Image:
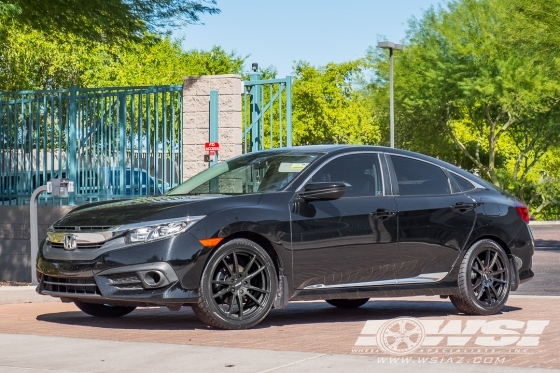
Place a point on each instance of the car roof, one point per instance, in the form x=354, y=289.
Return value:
x=341, y=148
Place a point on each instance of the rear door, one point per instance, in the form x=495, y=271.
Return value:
x=434, y=221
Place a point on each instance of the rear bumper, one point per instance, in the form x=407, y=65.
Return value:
x=526, y=276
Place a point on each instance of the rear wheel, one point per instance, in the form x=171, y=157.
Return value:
x=347, y=303
x=484, y=279
x=238, y=286
x=103, y=310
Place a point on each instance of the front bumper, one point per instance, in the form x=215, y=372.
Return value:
x=139, y=285
x=161, y=273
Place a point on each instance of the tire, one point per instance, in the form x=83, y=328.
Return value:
x=238, y=286
x=103, y=310
x=347, y=303
x=484, y=279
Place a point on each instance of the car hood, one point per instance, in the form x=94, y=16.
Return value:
x=115, y=213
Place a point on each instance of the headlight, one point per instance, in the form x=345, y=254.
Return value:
x=149, y=231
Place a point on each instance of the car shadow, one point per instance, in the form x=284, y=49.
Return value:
x=297, y=313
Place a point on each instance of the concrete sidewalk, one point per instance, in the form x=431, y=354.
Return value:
x=24, y=353
x=23, y=294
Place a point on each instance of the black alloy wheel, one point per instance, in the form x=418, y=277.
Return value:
x=484, y=279
x=238, y=286
x=347, y=303
x=103, y=310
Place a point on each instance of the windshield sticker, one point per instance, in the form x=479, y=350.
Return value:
x=291, y=167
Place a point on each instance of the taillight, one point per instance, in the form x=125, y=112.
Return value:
x=523, y=211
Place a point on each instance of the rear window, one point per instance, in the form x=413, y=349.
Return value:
x=417, y=178
x=463, y=183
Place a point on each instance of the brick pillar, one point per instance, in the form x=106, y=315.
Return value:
x=196, y=119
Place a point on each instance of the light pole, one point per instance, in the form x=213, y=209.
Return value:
x=391, y=46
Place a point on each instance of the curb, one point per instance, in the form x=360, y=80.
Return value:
x=541, y=223
x=22, y=294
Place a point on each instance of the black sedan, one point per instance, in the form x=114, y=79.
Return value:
x=339, y=223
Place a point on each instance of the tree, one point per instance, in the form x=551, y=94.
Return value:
x=103, y=20
x=30, y=59
x=534, y=27
x=459, y=81
x=327, y=107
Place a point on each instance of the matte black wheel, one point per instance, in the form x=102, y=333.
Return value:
x=238, y=286
x=484, y=279
x=347, y=303
x=103, y=310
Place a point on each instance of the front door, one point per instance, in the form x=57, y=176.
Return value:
x=351, y=240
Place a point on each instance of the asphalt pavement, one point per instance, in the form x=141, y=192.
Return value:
x=546, y=262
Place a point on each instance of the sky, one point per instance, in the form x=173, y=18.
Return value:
x=279, y=32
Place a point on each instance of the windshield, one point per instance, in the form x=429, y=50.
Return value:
x=252, y=173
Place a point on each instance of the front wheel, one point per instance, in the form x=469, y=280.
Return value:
x=484, y=279
x=103, y=310
x=238, y=286
x=347, y=303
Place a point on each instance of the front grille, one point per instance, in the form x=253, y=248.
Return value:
x=80, y=229
x=70, y=286
x=81, y=246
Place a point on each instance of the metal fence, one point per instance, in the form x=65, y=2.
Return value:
x=112, y=142
x=267, y=113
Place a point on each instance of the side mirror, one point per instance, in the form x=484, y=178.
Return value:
x=323, y=191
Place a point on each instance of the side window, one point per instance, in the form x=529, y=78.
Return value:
x=463, y=183
x=360, y=172
x=417, y=178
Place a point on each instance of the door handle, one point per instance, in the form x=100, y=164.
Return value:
x=383, y=214
x=463, y=207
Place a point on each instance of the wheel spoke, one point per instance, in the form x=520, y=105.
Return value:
x=402, y=326
x=232, y=300
x=408, y=342
x=477, y=284
x=255, y=273
x=499, y=280
x=477, y=270
x=240, y=301
x=488, y=295
x=221, y=292
x=258, y=289
x=249, y=265
x=390, y=333
x=479, y=295
x=227, y=267
x=498, y=272
x=494, y=291
x=235, y=263
x=493, y=261
x=487, y=259
x=254, y=299
x=480, y=263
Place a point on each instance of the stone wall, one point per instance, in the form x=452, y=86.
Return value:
x=15, y=244
x=196, y=119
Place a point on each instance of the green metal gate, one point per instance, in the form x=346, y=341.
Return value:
x=112, y=142
x=267, y=113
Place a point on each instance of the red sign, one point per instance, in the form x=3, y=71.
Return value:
x=211, y=146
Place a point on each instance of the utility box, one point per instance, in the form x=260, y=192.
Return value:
x=60, y=187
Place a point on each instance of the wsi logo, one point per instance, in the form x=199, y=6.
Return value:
x=405, y=335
